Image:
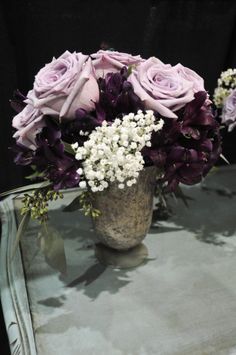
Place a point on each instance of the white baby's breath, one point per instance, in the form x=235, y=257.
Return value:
x=113, y=151
x=226, y=84
x=82, y=184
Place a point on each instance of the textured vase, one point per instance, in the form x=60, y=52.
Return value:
x=126, y=214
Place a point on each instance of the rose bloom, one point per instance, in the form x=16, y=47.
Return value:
x=65, y=85
x=28, y=123
x=229, y=111
x=112, y=61
x=190, y=75
x=164, y=88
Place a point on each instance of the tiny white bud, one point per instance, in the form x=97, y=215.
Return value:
x=82, y=184
x=121, y=186
x=80, y=171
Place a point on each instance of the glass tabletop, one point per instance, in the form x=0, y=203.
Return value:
x=182, y=300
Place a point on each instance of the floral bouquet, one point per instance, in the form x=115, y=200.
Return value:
x=91, y=121
x=225, y=98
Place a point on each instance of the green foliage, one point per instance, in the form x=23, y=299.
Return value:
x=130, y=68
x=68, y=148
x=37, y=203
x=86, y=202
x=83, y=201
x=35, y=175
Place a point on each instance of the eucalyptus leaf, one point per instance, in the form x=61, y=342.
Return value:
x=52, y=245
x=21, y=230
x=26, y=188
x=74, y=205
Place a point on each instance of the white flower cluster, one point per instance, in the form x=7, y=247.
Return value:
x=220, y=95
x=228, y=78
x=226, y=84
x=113, y=152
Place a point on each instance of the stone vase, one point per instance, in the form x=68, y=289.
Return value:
x=126, y=214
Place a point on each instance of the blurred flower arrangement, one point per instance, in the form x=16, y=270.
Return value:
x=93, y=120
x=225, y=98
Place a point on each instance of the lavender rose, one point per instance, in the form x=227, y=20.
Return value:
x=64, y=85
x=163, y=88
x=112, y=61
x=29, y=122
x=229, y=111
x=192, y=76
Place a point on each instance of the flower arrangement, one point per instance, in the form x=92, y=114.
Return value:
x=93, y=120
x=225, y=98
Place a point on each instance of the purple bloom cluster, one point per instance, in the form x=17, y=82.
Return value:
x=50, y=157
x=116, y=98
x=187, y=148
x=89, y=90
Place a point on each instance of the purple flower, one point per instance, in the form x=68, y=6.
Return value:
x=117, y=96
x=163, y=88
x=74, y=94
x=23, y=155
x=17, y=103
x=229, y=111
x=29, y=122
x=64, y=85
x=50, y=157
x=111, y=62
x=190, y=75
x=186, y=149
x=197, y=113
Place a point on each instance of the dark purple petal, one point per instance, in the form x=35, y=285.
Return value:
x=113, y=84
x=80, y=113
x=190, y=132
x=124, y=73
x=194, y=106
x=191, y=174
x=155, y=157
x=117, y=96
x=17, y=103
x=23, y=155
x=100, y=112
x=181, y=154
x=206, y=145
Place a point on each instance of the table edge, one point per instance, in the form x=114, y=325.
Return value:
x=14, y=297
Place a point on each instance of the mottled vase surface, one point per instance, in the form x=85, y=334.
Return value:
x=126, y=214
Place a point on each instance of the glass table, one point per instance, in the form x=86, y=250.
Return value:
x=181, y=301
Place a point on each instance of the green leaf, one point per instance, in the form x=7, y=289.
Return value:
x=26, y=188
x=68, y=148
x=21, y=230
x=130, y=68
x=35, y=175
x=52, y=245
x=33, y=167
x=74, y=205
